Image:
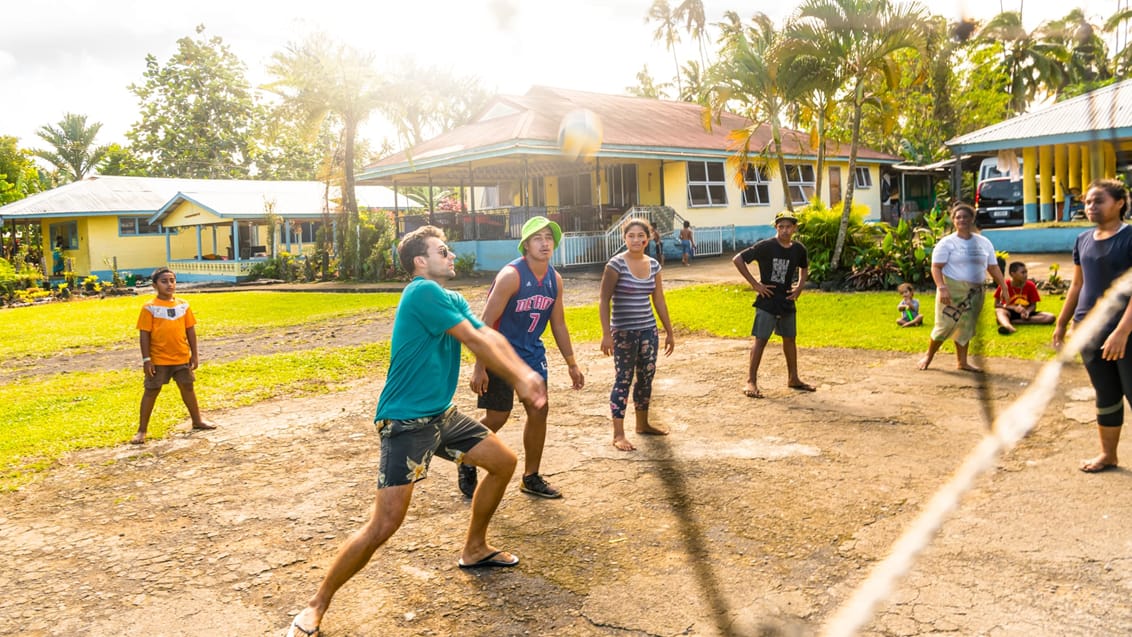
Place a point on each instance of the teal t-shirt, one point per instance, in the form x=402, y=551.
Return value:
x=424, y=362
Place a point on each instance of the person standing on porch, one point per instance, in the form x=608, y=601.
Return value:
x=526, y=295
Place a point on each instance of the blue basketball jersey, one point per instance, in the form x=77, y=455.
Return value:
x=524, y=319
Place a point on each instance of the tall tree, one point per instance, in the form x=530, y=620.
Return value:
x=119, y=160
x=750, y=79
x=647, y=86
x=288, y=150
x=668, y=31
x=863, y=35
x=18, y=175
x=422, y=102
x=322, y=78
x=1086, y=63
x=695, y=25
x=72, y=151
x=1117, y=26
x=1032, y=62
x=198, y=112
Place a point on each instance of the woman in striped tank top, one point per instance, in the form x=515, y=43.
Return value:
x=628, y=333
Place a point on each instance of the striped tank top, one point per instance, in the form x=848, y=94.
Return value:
x=632, y=305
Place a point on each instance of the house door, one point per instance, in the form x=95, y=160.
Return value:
x=834, y=185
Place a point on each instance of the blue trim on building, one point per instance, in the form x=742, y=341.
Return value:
x=1084, y=137
x=1030, y=212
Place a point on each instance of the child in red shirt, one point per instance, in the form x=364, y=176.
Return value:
x=1019, y=302
x=168, y=338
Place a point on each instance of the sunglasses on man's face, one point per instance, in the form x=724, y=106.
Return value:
x=442, y=251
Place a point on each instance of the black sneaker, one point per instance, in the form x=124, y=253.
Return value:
x=535, y=485
x=467, y=479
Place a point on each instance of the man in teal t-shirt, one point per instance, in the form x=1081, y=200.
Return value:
x=416, y=418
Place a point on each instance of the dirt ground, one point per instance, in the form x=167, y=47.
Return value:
x=754, y=517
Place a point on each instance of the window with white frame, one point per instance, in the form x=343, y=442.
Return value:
x=800, y=179
x=864, y=177
x=756, y=182
x=137, y=226
x=707, y=184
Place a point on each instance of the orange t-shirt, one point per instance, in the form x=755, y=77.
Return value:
x=168, y=323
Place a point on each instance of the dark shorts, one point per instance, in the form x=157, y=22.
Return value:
x=183, y=374
x=766, y=323
x=500, y=395
x=407, y=446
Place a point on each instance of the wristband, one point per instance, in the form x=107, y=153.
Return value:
x=146, y=359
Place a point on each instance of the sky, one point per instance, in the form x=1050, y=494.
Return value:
x=79, y=56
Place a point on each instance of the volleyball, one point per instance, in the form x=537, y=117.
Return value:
x=579, y=135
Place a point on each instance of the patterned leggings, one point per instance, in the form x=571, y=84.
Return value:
x=633, y=351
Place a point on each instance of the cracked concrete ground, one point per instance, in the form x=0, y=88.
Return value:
x=753, y=517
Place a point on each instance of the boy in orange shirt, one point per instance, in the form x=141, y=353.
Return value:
x=168, y=337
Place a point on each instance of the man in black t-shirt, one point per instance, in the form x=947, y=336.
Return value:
x=780, y=260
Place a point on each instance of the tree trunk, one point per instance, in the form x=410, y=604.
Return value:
x=851, y=179
x=821, y=153
x=349, y=197
x=776, y=138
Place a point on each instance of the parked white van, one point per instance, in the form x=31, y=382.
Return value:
x=988, y=169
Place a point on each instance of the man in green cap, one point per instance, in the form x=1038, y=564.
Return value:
x=525, y=296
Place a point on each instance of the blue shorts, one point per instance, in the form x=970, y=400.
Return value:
x=407, y=446
x=785, y=325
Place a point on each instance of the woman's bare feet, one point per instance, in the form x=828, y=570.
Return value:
x=622, y=443
x=924, y=362
x=138, y=439
x=203, y=426
x=649, y=430
x=967, y=367
x=1098, y=464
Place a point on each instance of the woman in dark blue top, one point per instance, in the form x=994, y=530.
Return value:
x=1100, y=256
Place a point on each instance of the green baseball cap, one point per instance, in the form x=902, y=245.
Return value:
x=533, y=225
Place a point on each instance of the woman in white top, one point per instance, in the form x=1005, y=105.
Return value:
x=960, y=263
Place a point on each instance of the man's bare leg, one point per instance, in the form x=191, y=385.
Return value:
x=388, y=513
x=534, y=439
x=499, y=463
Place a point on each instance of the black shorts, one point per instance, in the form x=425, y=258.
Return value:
x=500, y=395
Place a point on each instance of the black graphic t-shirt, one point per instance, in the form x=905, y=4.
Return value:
x=778, y=267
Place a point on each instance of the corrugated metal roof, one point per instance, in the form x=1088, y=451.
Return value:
x=631, y=127
x=1101, y=115
x=103, y=195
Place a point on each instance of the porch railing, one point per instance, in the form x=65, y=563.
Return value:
x=225, y=268
x=591, y=235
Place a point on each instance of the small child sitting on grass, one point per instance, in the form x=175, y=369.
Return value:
x=908, y=307
x=168, y=337
x=1019, y=302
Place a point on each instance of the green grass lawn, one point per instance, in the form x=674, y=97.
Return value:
x=857, y=320
x=43, y=417
x=42, y=330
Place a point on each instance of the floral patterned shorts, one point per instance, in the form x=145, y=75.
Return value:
x=407, y=446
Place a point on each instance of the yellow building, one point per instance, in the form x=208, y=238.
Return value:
x=204, y=229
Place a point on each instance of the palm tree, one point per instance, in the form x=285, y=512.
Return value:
x=695, y=24
x=750, y=78
x=74, y=154
x=1085, y=53
x=862, y=36
x=667, y=31
x=1117, y=25
x=322, y=79
x=1031, y=61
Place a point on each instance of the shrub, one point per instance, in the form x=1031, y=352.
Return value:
x=465, y=264
x=818, y=226
x=902, y=255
